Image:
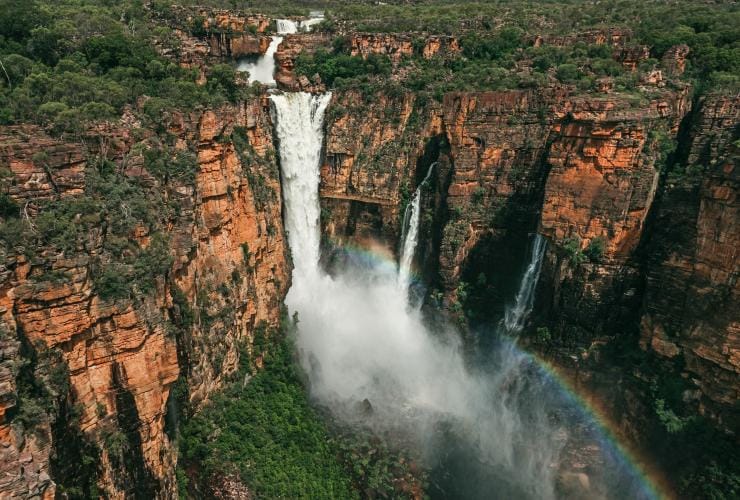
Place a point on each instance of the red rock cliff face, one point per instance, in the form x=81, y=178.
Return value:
x=237, y=210
x=397, y=46
x=371, y=157
x=287, y=52
x=692, y=295
x=496, y=140
x=121, y=356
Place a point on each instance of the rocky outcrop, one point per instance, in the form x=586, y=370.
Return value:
x=123, y=356
x=38, y=167
x=497, y=140
x=239, y=240
x=397, y=46
x=234, y=22
x=614, y=37
x=674, y=60
x=372, y=149
x=631, y=56
x=202, y=38
x=288, y=51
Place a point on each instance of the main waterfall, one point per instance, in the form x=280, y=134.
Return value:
x=490, y=431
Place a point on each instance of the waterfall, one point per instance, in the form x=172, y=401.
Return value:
x=516, y=315
x=372, y=362
x=263, y=69
x=410, y=234
x=299, y=120
x=286, y=26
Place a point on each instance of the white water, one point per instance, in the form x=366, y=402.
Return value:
x=410, y=234
x=358, y=340
x=516, y=315
x=263, y=69
x=288, y=26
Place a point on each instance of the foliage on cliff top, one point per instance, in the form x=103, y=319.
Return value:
x=71, y=62
x=709, y=29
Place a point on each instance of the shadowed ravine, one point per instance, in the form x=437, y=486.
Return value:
x=500, y=429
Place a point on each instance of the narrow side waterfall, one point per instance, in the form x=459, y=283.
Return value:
x=495, y=430
x=263, y=68
x=410, y=234
x=516, y=315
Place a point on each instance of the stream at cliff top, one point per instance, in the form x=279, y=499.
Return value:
x=262, y=68
x=500, y=429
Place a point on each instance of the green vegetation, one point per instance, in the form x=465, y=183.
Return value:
x=68, y=64
x=262, y=428
x=337, y=66
x=266, y=432
x=497, y=41
x=572, y=248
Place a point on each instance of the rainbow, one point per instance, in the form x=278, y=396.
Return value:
x=653, y=485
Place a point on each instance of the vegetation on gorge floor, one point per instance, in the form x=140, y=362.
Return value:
x=262, y=429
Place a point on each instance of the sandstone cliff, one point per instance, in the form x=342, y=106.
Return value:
x=115, y=360
x=692, y=296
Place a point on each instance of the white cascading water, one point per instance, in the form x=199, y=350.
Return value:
x=288, y=26
x=359, y=341
x=263, y=68
x=516, y=315
x=299, y=119
x=410, y=234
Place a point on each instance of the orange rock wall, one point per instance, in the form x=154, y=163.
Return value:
x=692, y=295
x=114, y=347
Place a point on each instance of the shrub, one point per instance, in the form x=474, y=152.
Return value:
x=595, y=249
x=568, y=73
x=8, y=207
x=572, y=248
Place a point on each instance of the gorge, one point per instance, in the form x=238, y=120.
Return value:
x=416, y=253
x=359, y=342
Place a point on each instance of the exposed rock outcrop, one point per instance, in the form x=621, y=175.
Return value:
x=397, y=46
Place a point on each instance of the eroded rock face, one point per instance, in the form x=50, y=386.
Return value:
x=121, y=356
x=238, y=238
x=692, y=295
x=41, y=167
x=222, y=36
x=371, y=158
x=397, y=46
x=614, y=37
x=288, y=51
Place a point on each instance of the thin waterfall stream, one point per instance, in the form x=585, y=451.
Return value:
x=410, y=234
x=516, y=315
x=499, y=430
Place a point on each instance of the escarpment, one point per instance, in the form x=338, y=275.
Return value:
x=143, y=257
x=107, y=353
x=689, y=314
x=586, y=173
